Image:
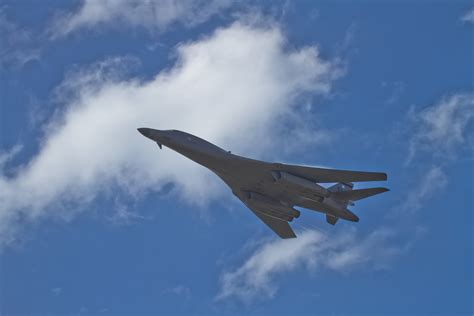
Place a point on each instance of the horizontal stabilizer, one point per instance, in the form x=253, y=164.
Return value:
x=331, y=219
x=354, y=195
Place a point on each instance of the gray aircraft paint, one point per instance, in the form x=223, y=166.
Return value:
x=271, y=190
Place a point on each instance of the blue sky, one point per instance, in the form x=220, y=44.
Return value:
x=94, y=219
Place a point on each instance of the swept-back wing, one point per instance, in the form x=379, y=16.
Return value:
x=280, y=227
x=330, y=175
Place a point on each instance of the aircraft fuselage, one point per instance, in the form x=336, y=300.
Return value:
x=252, y=176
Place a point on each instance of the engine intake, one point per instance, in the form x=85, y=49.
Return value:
x=271, y=207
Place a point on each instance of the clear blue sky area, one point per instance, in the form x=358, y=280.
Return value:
x=396, y=60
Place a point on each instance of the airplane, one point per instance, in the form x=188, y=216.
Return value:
x=272, y=190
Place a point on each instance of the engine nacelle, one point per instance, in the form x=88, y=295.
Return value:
x=303, y=186
x=271, y=207
x=275, y=214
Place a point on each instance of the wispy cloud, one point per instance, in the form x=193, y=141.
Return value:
x=154, y=15
x=237, y=87
x=57, y=291
x=7, y=156
x=18, y=45
x=431, y=182
x=312, y=250
x=179, y=290
x=468, y=17
x=395, y=91
x=441, y=129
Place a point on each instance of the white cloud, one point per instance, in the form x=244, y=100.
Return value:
x=238, y=87
x=312, y=250
x=7, y=156
x=468, y=17
x=442, y=128
x=154, y=15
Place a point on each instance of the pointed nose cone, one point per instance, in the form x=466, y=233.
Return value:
x=147, y=132
x=156, y=135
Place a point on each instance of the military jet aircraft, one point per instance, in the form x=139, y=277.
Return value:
x=272, y=190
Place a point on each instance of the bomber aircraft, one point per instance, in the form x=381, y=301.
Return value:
x=272, y=190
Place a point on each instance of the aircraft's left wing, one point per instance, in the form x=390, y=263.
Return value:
x=280, y=227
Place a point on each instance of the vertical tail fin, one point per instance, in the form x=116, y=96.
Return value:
x=340, y=187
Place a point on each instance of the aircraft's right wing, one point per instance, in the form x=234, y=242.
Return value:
x=280, y=227
x=330, y=175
